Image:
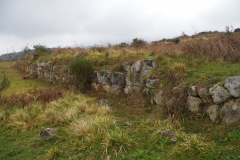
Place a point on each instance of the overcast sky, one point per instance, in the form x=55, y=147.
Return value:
x=65, y=23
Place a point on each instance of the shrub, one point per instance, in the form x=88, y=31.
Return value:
x=4, y=83
x=175, y=40
x=138, y=43
x=82, y=70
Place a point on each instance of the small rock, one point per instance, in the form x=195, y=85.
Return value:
x=213, y=112
x=192, y=91
x=47, y=133
x=103, y=101
x=169, y=134
x=205, y=95
x=193, y=103
x=152, y=83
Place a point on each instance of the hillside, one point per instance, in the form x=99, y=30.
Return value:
x=51, y=89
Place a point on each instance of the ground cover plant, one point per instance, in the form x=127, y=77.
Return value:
x=128, y=127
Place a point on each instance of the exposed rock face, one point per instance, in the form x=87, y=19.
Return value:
x=205, y=95
x=193, y=104
x=192, y=91
x=233, y=85
x=219, y=94
x=169, y=134
x=47, y=133
x=230, y=112
x=213, y=112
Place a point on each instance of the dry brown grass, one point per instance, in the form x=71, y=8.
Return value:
x=223, y=46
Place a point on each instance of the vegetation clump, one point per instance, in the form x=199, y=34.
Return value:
x=4, y=81
x=82, y=70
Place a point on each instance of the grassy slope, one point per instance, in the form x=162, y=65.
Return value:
x=139, y=124
x=128, y=128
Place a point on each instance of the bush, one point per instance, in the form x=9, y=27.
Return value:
x=138, y=43
x=4, y=83
x=82, y=70
x=176, y=40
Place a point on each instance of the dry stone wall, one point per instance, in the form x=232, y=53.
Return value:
x=45, y=71
x=221, y=103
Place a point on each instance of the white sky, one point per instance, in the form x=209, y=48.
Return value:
x=88, y=22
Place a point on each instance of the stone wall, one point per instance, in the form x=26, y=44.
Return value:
x=221, y=103
x=45, y=71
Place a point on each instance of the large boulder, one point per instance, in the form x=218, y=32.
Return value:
x=233, y=85
x=213, y=112
x=193, y=104
x=219, y=94
x=205, y=95
x=230, y=112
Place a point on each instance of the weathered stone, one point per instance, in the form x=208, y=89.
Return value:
x=230, y=112
x=47, y=133
x=118, y=78
x=136, y=67
x=169, y=134
x=148, y=65
x=106, y=88
x=170, y=102
x=96, y=77
x=105, y=77
x=126, y=66
x=128, y=81
x=136, y=79
x=192, y=91
x=128, y=90
x=103, y=101
x=160, y=98
x=193, y=104
x=152, y=83
x=219, y=94
x=233, y=85
x=213, y=112
x=205, y=95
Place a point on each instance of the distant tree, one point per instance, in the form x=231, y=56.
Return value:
x=39, y=49
x=123, y=44
x=138, y=43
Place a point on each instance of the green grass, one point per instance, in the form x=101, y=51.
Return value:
x=126, y=128
x=17, y=85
